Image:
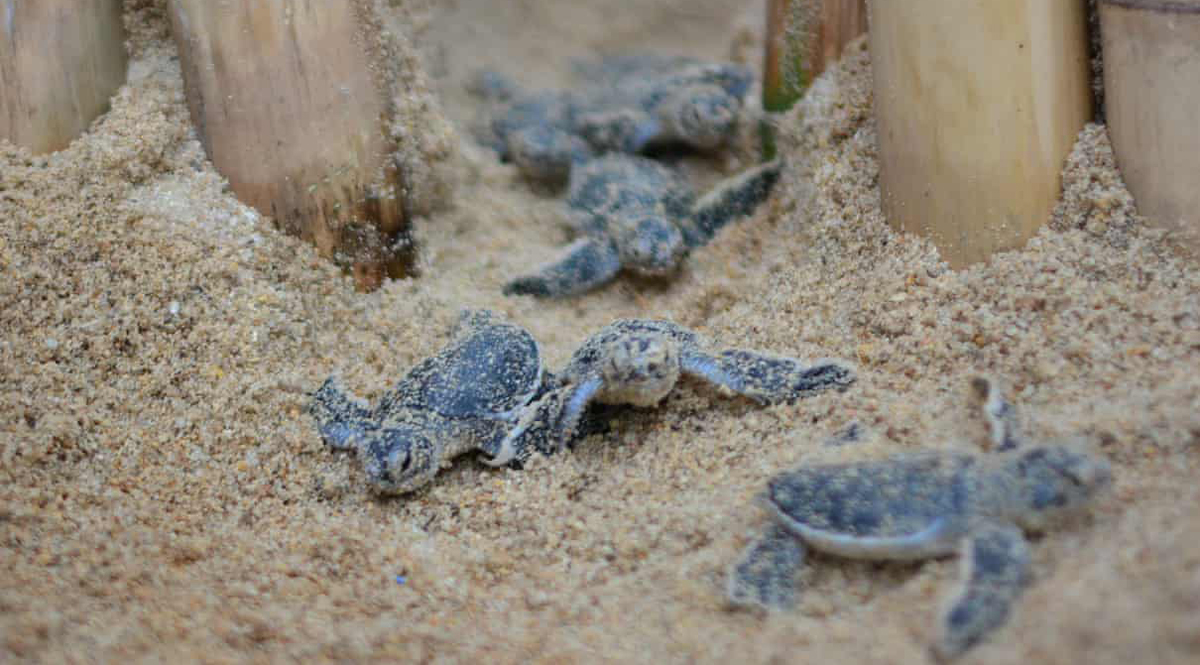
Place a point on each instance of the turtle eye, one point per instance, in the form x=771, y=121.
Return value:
x=407, y=462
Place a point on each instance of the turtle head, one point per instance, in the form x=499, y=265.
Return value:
x=1048, y=483
x=399, y=459
x=546, y=153
x=702, y=116
x=639, y=368
x=653, y=246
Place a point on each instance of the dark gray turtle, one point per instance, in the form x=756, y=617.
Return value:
x=922, y=505
x=626, y=104
x=466, y=397
x=638, y=362
x=632, y=213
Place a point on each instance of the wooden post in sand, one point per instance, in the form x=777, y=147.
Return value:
x=978, y=103
x=1152, y=95
x=60, y=63
x=292, y=102
x=803, y=38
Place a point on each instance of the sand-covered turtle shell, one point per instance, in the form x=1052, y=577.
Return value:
x=904, y=506
x=492, y=370
x=611, y=187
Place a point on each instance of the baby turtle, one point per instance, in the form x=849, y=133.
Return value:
x=638, y=362
x=635, y=214
x=922, y=505
x=627, y=104
x=466, y=397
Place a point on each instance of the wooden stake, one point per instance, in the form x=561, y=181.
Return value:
x=292, y=102
x=803, y=38
x=60, y=63
x=1152, y=92
x=977, y=104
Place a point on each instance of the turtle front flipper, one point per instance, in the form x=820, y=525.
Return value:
x=548, y=425
x=586, y=264
x=995, y=569
x=765, y=378
x=732, y=198
x=341, y=418
x=765, y=576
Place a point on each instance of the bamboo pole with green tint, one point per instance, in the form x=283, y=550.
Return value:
x=61, y=61
x=291, y=101
x=977, y=104
x=1152, y=92
x=803, y=38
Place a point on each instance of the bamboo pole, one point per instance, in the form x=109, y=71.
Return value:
x=1152, y=92
x=803, y=37
x=292, y=103
x=60, y=63
x=977, y=104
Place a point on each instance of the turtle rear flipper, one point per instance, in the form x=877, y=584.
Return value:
x=765, y=575
x=995, y=569
x=586, y=264
x=732, y=198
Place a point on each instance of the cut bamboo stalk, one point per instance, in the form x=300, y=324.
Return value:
x=1152, y=92
x=61, y=61
x=803, y=38
x=977, y=105
x=292, y=103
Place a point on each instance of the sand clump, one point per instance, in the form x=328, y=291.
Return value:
x=164, y=496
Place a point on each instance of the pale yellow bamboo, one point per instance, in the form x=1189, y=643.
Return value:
x=1152, y=96
x=978, y=103
x=291, y=103
x=60, y=63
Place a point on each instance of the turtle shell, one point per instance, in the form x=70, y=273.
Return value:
x=905, y=507
x=491, y=372
x=617, y=186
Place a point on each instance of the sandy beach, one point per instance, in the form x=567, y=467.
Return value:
x=164, y=496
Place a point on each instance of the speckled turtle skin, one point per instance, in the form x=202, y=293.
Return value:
x=466, y=397
x=634, y=214
x=638, y=362
x=624, y=104
x=923, y=505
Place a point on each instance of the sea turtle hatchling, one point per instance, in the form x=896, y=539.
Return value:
x=638, y=362
x=625, y=104
x=465, y=397
x=632, y=213
x=922, y=505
